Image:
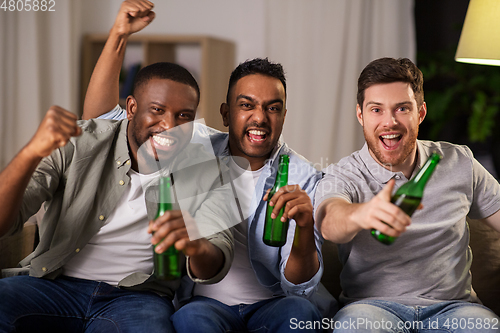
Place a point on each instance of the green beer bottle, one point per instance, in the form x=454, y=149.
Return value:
x=409, y=195
x=275, y=230
x=167, y=264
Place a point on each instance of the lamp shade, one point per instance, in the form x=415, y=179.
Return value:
x=480, y=39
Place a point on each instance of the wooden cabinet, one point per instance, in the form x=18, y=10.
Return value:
x=216, y=63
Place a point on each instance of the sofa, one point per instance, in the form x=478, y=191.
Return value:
x=485, y=245
x=484, y=241
x=15, y=248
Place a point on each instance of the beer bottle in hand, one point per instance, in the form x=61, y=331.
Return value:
x=409, y=195
x=167, y=264
x=274, y=230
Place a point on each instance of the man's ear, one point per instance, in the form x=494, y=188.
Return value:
x=224, y=111
x=359, y=114
x=131, y=105
x=422, y=113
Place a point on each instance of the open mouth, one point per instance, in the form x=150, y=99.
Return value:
x=162, y=144
x=390, y=141
x=256, y=136
x=163, y=141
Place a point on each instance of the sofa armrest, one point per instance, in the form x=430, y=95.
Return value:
x=16, y=247
x=485, y=245
x=331, y=274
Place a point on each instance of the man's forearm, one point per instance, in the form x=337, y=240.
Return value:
x=333, y=221
x=56, y=129
x=103, y=90
x=208, y=264
x=303, y=262
x=13, y=182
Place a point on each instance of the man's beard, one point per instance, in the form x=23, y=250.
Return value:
x=389, y=161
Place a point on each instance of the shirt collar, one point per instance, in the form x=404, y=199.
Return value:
x=224, y=151
x=381, y=174
x=275, y=152
x=122, y=156
x=422, y=155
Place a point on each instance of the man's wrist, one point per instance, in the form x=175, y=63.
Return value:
x=29, y=154
x=119, y=32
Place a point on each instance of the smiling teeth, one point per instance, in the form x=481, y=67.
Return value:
x=256, y=132
x=390, y=136
x=163, y=141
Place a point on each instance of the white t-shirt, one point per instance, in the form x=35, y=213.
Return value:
x=122, y=246
x=240, y=285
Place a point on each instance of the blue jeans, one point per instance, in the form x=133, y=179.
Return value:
x=383, y=316
x=203, y=314
x=29, y=304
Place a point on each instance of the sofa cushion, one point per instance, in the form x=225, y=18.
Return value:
x=485, y=245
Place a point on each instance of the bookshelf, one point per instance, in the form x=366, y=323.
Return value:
x=216, y=61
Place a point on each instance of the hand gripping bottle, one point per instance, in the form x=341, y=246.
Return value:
x=409, y=195
x=167, y=264
x=274, y=230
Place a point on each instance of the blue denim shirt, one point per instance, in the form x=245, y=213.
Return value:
x=268, y=262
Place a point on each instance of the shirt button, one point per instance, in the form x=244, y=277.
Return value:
x=128, y=162
x=118, y=162
x=121, y=182
x=77, y=250
x=398, y=177
x=44, y=269
x=101, y=217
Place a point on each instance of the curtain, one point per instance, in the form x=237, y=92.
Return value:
x=38, y=68
x=323, y=46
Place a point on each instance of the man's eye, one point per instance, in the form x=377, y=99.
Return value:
x=187, y=116
x=403, y=109
x=275, y=109
x=246, y=105
x=375, y=110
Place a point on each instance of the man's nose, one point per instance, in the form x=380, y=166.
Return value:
x=168, y=121
x=259, y=114
x=390, y=119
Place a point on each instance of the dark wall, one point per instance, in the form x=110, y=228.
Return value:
x=438, y=23
x=438, y=27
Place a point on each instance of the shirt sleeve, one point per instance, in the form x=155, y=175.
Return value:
x=118, y=113
x=41, y=187
x=308, y=288
x=216, y=214
x=486, y=191
x=335, y=184
x=223, y=241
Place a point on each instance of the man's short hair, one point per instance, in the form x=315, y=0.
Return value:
x=256, y=66
x=166, y=71
x=389, y=70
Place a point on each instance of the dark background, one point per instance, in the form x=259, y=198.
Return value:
x=438, y=27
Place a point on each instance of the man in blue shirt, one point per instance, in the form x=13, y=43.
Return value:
x=252, y=295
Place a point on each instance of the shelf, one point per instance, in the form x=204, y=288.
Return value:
x=216, y=63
